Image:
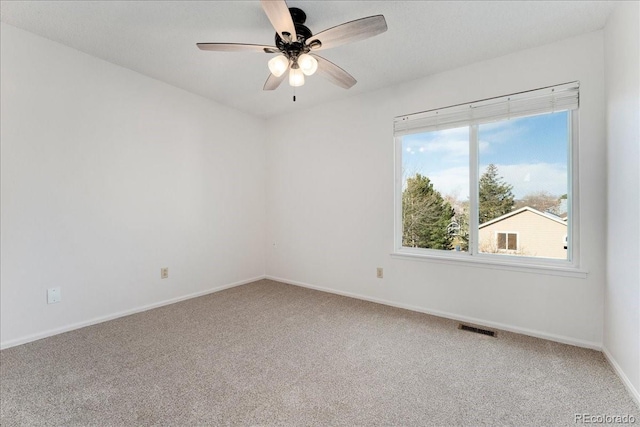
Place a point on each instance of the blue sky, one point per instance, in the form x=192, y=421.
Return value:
x=526, y=140
x=530, y=152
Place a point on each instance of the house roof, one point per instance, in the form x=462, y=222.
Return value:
x=524, y=209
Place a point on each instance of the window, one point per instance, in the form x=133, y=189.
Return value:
x=493, y=180
x=507, y=241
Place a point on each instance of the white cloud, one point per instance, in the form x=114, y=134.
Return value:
x=449, y=143
x=456, y=148
x=529, y=178
x=452, y=181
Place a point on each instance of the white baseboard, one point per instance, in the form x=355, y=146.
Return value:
x=625, y=380
x=56, y=331
x=453, y=316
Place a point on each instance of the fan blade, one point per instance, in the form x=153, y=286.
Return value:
x=348, y=32
x=273, y=82
x=333, y=73
x=237, y=47
x=280, y=17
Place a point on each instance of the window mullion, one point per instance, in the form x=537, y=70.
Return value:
x=473, y=189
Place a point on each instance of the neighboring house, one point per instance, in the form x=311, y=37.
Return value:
x=525, y=231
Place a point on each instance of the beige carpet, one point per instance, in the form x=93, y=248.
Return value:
x=273, y=354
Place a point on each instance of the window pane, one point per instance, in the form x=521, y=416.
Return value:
x=523, y=167
x=502, y=241
x=435, y=190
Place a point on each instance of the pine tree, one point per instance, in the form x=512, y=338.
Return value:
x=495, y=196
x=425, y=215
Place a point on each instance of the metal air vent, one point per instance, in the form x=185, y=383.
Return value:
x=477, y=330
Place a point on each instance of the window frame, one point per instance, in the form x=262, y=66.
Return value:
x=506, y=240
x=569, y=267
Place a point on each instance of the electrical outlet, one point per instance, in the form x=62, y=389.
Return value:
x=379, y=273
x=53, y=295
x=164, y=273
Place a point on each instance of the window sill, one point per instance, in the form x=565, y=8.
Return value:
x=495, y=264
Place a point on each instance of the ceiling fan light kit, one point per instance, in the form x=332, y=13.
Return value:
x=308, y=64
x=296, y=77
x=296, y=45
x=278, y=65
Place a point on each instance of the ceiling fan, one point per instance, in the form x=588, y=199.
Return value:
x=296, y=45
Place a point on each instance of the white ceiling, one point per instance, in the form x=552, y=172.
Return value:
x=158, y=39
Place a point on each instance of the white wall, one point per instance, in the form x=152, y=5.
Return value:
x=622, y=292
x=330, y=200
x=107, y=176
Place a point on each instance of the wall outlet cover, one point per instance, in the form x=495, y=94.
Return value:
x=54, y=295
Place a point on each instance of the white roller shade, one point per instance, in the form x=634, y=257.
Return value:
x=546, y=100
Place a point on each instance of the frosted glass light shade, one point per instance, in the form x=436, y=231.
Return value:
x=308, y=64
x=296, y=77
x=278, y=65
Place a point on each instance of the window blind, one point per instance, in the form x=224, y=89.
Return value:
x=546, y=100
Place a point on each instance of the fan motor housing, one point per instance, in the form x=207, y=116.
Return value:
x=297, y=15
x=302, y=31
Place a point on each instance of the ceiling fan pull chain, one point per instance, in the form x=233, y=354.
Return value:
x=294, y=94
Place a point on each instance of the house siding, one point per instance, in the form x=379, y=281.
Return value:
x=537, y=235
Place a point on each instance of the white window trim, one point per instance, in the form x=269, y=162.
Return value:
x=460, y=259
x=570, y=267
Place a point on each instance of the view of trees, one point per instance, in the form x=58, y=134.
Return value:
x=425, y=215
x=431, y=220
x=494, y=197
x=542, y=201
x=459, y=225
